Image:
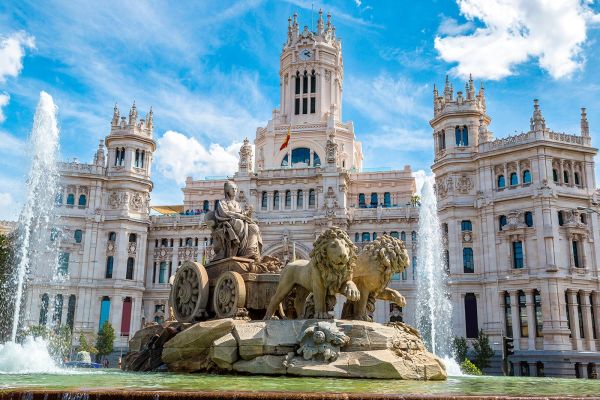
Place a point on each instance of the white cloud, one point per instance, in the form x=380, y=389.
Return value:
x=515, y=31
x=12, y=51
x=4, y=99
x=8, y=207
x=11, y=144
x=179, y=156
x=450, y=26
x=358, y=3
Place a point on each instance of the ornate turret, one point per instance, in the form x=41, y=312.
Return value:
x=99, y=157
x=537, y=122
x=585, y=128
x=466, y=101
x=120, y=125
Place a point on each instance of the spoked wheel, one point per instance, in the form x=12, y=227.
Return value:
x=189, y=293
x=229, y=298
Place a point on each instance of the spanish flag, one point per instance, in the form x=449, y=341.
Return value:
x=287, y=139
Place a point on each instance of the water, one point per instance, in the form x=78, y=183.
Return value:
x=29, y=357
x=38, y=212
x=434, y=309
x=82, y=380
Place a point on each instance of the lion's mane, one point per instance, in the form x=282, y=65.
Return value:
x=333, y=278
x=389, y=255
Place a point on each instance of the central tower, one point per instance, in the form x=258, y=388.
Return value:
x=311, y=73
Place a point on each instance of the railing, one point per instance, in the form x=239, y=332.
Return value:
x=177, y=218
x=531, y=136
x=80, y=167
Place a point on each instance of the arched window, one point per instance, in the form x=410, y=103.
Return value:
x=44, y=309
x=403, y=236
x=395, y=234
x=70, y=199
x=316, y=159
x=374, y=200
x=285, y=162
x=58, y=306
x=447, y=261
x=276, y=200
x=300, y=199
x=58, y=199
x=366, y=237
x=164, y=243
x=458, y=136
x=374, y=236
x=514, y=179
x=466, y=226
x=387, y=199
x=414, y=267
x=468, y=264
x=305, y=84
x=560, y=218
x=205, y=205
x=529, y=218
x=471, y=323
x=189, y=242
x=78, y=235
x=109, y=267
x=526, y=177
x=126, y=317
x=465, y=136
x=508, y=315
x=361, y=200
x=297, y=83
x=576, y=261
x=301, y=155
x=162, y=272
x=518, y=259
x=523, y=324
x=462, y=136
x=71, y=311
x=117, y=156
x=566, y=176
x=356, y=237
x=132, y=238
x=137, y=158
x=288, y=199
x=313, y=82
x=537, y=312
x=555, y=175
x=63, y=263
x=413, y=236
x=311, y=198
x=576, y=178
x=112, y=236
x=264, y=201
x=501, y=182
x=130, y=264
x=104, y=311
x=502, y=221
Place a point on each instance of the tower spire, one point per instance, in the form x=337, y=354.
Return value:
x=585, y=127
x=115, y=118
x=320, y=23
x=448, y=89
x=133, y=114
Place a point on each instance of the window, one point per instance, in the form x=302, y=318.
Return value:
x=568, y=312
x=395, y=312
x=462, y=136
x=311, y=198
x=130, y=264
x=366, y=237
x=164, y=243
x=205, y=205
x=413, y=236
x=374, y=199
x=508, y=315
x=566, y=176
x=117, y=156
x=414, y=267
x=112, y=236
x=471, y=324
x=576, y=178
x=63, y=263
x=71, y=311
x=216, y=204
x=502, y=221
x=523, y=325
x=447, y=261
x=297, y=85
x=468, y=265
x=78, y=235
x=593, y=317
x=305, y=106
x=297, y=106
x=44, y=309
x=518, y=261
x=58, y=199
x=70, y=199
x=560, y=218
x=132, y=238
x=276, y=200
x=537, y=307
x=109, y=267
x=374, y=236
x=356, y=237
x=137, y=158
x=514, y=179
x=126, y=317
x=58, y=306
x=189, y=242
x=104, y=311
x=501, y=182
x=288, y=199
x=555, y=175
x=264, y=201
x=466, y=226
x=361, y=200
x=312, y=105
x=526, y=177
x=299, y=199
x=580, y=314
x=313, y=82
x=529, y=218
x=576, y=261
x=387, y=199
x=305, y=83
x=301, y=156
x=403, y=236
x=394, y=234
x=162, y=273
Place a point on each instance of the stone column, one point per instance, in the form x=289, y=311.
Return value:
x=586, y=311
x=514, y=308
x=596, y=310
x=294, y=200
x=574, y=317
x=529, y=293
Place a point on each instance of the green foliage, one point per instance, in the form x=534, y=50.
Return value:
x=59, y=339
x=461, y=347
x=467, y=367
x=415, y=200
x=483, y=351
x=85, y=346
x=105, y=340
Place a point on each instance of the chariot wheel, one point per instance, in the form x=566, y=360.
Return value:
x=229, y=297
x=189, y=293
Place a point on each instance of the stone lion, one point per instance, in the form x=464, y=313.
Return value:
x=374, y=268
x=328, y=272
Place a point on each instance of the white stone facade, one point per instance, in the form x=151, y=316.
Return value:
x=317, y=180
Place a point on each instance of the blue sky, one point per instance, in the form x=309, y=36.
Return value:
x=210, y=71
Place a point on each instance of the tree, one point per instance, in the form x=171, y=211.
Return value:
x=415, y=200
x=85, y=346
x=461, y=347
x=105, y=340
x=483, y=351
x=467, y=367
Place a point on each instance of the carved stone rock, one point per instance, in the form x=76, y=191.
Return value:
x=262, y=365
x=195, y=340
x=224, y=351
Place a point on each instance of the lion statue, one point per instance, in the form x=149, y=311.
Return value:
x=374, y=268
x=327, y=273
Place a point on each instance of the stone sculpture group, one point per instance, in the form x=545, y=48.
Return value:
x=313, y=344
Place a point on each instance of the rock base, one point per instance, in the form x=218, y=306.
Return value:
x=279, y=347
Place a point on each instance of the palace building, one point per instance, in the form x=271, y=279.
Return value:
x=521, y=233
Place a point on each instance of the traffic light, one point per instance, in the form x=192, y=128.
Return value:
x=508, y=346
